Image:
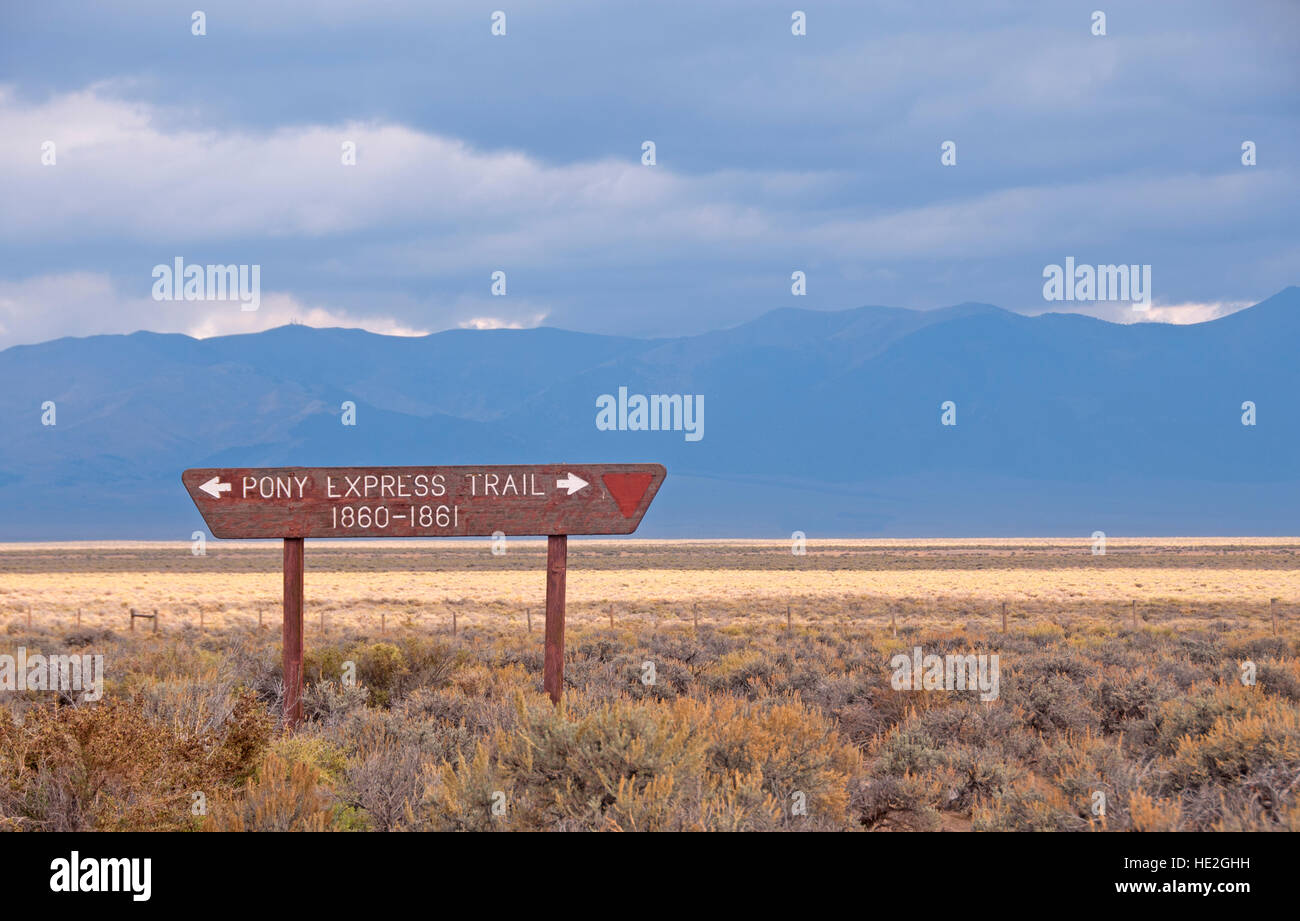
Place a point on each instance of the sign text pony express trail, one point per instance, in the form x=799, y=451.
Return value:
x=293, y=503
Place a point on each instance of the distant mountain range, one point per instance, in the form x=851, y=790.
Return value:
x=825, y=422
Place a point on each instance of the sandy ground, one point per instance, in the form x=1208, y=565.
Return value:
x=1066, y=582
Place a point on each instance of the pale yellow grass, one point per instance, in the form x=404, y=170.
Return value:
x=104, y=597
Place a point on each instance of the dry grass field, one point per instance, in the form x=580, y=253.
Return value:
x=709, y=685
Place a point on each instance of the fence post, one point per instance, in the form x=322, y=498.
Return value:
x=1004, y=617
x=1272, y=610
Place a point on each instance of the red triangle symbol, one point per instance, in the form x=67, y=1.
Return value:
x=627, y=489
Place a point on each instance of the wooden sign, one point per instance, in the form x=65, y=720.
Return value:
x=294, y=503
x=424, y=501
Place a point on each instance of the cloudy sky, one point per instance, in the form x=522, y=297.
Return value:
x=523, y=153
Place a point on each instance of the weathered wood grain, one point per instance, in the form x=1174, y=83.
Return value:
x=517, y=500
x=557, y=552
x=292, y=636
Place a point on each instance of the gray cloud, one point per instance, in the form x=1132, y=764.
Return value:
x=522, y=153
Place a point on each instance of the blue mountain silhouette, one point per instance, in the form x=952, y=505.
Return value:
x=825, y=422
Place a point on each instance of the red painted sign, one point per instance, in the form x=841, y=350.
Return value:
x=545, y=499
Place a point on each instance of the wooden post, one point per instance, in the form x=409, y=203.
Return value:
x=788, y=625
x=200, y=617
x=1135, y=614
x=529, y=612
x=1272, y=609
x=893, y=624
x=1004, y=617
x=29, y=615
x=155, y=620
x=133, y=620
x=695, y=608
x=453, y=621
x=259, y=617
x=78, y=618
x=557, y=553
x=383, y=622
x=611, y=618
x=292, y=636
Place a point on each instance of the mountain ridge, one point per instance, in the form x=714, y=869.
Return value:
x=1061, y=418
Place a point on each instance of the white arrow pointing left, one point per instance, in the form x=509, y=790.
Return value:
x=214, y=487
x=572, y=482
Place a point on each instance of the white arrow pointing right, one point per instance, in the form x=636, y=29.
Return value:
x=572, y=482
x=214, y=487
